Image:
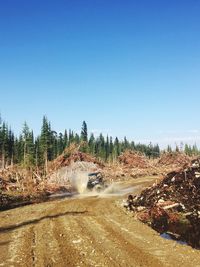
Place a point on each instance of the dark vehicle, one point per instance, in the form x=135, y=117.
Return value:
x=96, y=182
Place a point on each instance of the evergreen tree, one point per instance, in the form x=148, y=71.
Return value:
x=133, y=145
x=77, y=139
x=71, y=137
x=188, y=150
x=4, y=144
x=169, y=149
x=28, y=146
x=111, y=148
x=31, y=149
x=65, y=139
x=84, y=133
x=25, y=134
x=91, y=144
x=54, y=145
x=20, y=148
x=60, y=143
x=156, y=151
x=45, y=142
x=38, y=153
x=101, y=153
x=107, y=148
x=11, y=147
x=195, y=150
x=117, y=147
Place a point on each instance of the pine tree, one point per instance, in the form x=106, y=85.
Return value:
x=107, y=148
x=84, y=138
x=91, y=144
x=102, y=147
x=84, y=134
x=31, y=149
x=169, y=149
x=156, y=151
x=188, y=150
x=116, y=147
x=195, y=150
x=71, y=137
x=28, y=146
x=76, y=139
x=177, y=149
x=60, y=143
x=11, y=147
x=20, y=149
x=25, y=134
x=45, y=142
x=54, y=146
x=65, y=139
x=4, y=144
x=111, y=148
x=133, y=145
x=38, y=153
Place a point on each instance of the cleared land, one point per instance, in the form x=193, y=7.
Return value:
x=91, y=231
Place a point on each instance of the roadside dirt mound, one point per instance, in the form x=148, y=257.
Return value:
x=134, y=159
x=173, y=205
x=174, y=160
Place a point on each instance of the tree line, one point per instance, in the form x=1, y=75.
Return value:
x=35, y=151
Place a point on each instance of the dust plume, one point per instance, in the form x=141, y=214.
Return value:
x=79, y=181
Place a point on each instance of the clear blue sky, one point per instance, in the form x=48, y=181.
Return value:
x=129, y=68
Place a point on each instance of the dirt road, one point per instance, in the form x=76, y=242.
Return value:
x=88, y=231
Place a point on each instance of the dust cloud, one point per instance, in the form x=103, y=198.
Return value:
x=79, y=181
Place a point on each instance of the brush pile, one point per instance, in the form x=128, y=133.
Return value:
x=130, y=164
x=19, y=186
x=174, y=161
x=71, y=155
x=173, y=205
x=134, y=159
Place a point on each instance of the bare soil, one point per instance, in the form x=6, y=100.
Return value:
x=90, y=231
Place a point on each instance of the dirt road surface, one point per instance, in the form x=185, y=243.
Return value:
x=91, y=231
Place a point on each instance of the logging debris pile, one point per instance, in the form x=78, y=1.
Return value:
x=134, y=160
x=71, y=155
x=173, y=205
x=174, y=160
x=19, y=186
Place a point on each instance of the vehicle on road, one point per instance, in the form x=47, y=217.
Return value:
x=96, y=182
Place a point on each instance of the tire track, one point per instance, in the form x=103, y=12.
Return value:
x=157, y=251
x=62, y=234
x=44, y=246
x=19, y=254
x=85, y=244
x=129, y=248
x=85, y=232
x=114, y=246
